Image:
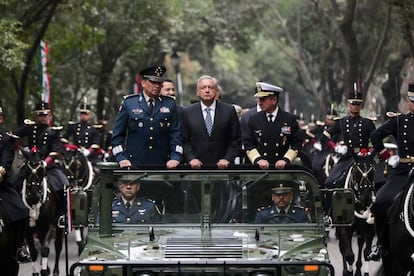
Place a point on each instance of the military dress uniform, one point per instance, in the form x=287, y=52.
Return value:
x=83, y=134
x=141, y=210
x=272, y=214
x=354, y=132
x=400, y=126
x=145, y=137
x=47, y=141
x=10, y=199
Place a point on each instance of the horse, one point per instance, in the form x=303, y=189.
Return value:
x=8, y=246
x=43, y=216
x=80, y=174
x=401, y=231
x=359, y=179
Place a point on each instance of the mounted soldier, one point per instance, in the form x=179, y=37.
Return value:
x=10, y=199
x=46, y=140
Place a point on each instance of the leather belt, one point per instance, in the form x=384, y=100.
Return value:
x=409, y=159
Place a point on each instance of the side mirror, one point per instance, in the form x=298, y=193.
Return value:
x=342, y=207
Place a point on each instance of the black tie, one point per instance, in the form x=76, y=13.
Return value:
x=282, y=212
x=270, y=116
x=128, y=205
x=151, y=105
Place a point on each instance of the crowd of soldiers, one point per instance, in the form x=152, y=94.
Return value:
x=150, y=129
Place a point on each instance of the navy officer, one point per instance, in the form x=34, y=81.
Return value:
x=283, y=210
x=147, y=129
x=271, y=139
x=129, y=208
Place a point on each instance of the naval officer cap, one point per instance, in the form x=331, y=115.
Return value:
x=410, y=93
x=281, y=188
x=265, y=89
x=153, y=73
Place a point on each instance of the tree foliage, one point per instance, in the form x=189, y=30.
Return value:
x=315, y=49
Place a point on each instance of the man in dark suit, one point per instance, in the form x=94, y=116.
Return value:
x=211, y=128
x=271, y=137
x=147, y=129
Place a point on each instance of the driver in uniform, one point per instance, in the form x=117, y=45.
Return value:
x=283, y=210
x=128, y=207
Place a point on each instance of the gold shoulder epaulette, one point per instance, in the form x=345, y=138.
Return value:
x=391, y=114
x=29, y=122
x=57, y=128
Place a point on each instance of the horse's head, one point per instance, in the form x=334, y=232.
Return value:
x=75, y=166
x=35, y=176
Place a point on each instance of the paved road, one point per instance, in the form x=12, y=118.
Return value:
x=374, y=269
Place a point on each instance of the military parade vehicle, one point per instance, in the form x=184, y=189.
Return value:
x=208, y=224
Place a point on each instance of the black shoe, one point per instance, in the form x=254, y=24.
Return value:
x=375, y=254
x=23, y=255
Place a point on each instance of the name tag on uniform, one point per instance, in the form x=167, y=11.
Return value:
x=165, y=109
x=115, y=214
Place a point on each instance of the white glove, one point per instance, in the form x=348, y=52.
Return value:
x=393, y=161
x=317, y=146
x=341, y=149
x=85, y=152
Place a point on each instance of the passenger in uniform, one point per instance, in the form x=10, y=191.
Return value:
x=46, y=139
x=10, y=199
x=271, y=138
x=211, y=128
x=283, y=210
x=129, y=208
x=354, y=139
x=83, y=134
x=147, y=129
x=400, y=127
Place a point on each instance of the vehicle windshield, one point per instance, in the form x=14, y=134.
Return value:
x=213, y=197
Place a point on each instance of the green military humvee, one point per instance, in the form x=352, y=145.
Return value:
x=208, y=225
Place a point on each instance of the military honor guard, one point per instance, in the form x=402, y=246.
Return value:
x=354, y=133
x=10, y=199
x=46, y=139
x=400, y=127
x=83, y=134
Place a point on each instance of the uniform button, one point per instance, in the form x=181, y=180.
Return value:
x=128, y=219
x=151, y=128
x=276, y=154
x=277, y=145
x=151, y=119
x=150, y=147
x=151, y=138
x=265, y=154
x=265, y=144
